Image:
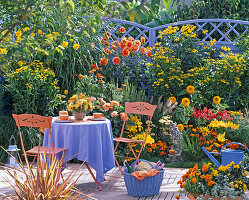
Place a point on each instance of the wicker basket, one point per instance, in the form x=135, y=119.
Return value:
x=149, y=186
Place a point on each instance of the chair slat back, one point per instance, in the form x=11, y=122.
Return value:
x=32, y=120
x=140, y=108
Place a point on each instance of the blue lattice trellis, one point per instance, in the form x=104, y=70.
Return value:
x=225, y=31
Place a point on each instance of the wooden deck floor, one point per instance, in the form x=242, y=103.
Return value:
x=114, y=185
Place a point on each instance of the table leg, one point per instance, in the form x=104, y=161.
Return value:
x=93, y=176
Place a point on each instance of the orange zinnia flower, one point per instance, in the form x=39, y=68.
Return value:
x=143, y=39
x=80, y=76
x=135, y=48
x=122, y=29
x=103, y=61
x=149, y=53
x=129, y=44
x=123, y=45
x=125, y=51
x=143, y=50
x=131, y=39
x=116, y=60
x=137, y=42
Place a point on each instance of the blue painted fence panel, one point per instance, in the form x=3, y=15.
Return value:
x=225, y=31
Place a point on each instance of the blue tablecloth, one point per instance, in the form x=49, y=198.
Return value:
x=89, y=141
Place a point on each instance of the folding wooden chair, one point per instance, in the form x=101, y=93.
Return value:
x=31, y=120
x=140, y=108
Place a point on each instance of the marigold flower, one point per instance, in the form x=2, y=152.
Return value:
x=180, y=127
x=65, y=92
x=143, y=39
x=19, y=33
x=149, y=53
x=103, y=61
x=194, y=180
x=177, y=197
x=143, y=50
x=64, y=44
x=185, y=102
x=162, y=153
x=76, y=46
x=205, y=167
x=190, y=89
x=20, y=63
x=150, y=150
x=122, y=29
x=172, y=99
x=116, y=60
x=216, y=99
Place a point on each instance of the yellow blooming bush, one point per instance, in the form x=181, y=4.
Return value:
x=206, y=180
x=34, y=88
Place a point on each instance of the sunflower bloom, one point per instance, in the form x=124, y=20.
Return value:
x=190, y=89
x=185, y=102
x=216, y=99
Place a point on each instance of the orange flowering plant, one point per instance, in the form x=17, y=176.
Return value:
x=207, y=180
x=120, y=59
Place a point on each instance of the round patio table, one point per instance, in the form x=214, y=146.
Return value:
x=90, y=141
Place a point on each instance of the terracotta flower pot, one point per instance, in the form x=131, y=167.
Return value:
x=79, y=115
x=191, y=197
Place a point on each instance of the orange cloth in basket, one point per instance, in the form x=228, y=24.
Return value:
x=140, y=175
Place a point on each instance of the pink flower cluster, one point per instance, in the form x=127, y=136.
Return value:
x=208, y=114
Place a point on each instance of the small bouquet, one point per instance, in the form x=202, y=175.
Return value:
x=79, y=103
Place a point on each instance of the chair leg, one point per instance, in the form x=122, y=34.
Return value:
x=118, y=165
x=93, y=176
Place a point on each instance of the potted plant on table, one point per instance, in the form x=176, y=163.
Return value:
x=79, y=105
x=208, y=182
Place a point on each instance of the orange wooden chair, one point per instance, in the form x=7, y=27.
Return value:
x=31, y=120
x=140, y=108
